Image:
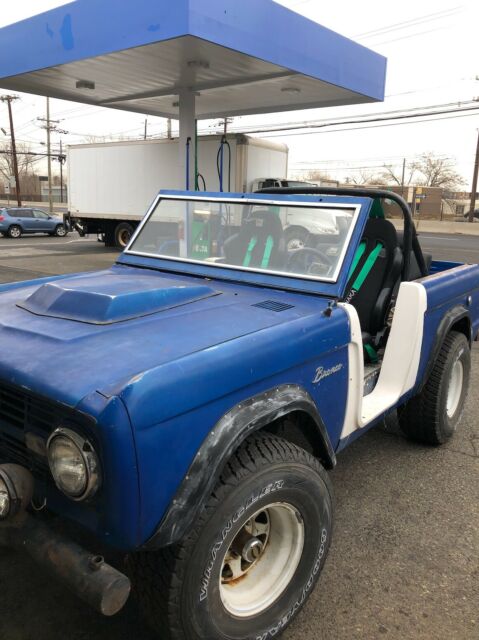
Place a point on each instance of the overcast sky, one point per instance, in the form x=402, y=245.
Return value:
x=433, y=58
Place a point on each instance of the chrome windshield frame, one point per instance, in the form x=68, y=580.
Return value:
x=354, y=207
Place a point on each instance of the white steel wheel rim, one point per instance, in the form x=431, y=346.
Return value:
x=454, y=391
x=61, y=231
x=250, y=586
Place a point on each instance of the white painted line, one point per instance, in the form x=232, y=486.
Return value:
x=46, y=244
x=438, y=238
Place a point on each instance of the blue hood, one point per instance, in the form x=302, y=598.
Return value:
x=70, y=337
x=112, y=298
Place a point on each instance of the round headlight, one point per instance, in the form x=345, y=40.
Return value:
x=73, y=463
x=4, y=500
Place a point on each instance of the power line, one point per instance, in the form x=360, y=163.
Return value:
x=407, y=24
x=371, y=126
x=391, y=115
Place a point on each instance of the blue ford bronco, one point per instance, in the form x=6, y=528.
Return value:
x=185, y=405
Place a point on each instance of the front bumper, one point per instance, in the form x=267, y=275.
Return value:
x=93, y=580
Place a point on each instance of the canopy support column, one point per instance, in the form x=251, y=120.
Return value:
x=187, y=103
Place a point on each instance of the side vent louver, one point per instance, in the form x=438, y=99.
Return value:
x=273, y=305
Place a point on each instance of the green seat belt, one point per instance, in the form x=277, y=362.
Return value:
x=367, y=266
x=249, y=251
x=359, y=254
x=358, y=283
x=267, y=252
x=373, y=356
x=377, y=210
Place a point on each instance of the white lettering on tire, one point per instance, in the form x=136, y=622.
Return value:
x=273, y=631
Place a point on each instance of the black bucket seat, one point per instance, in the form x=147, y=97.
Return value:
x=260, y=242
x=373, y=277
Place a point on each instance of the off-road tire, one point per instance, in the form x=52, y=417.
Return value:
x=15, y=231
x=178, y=588
x=425, y=417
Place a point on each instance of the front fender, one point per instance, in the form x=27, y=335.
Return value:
x=225, y=438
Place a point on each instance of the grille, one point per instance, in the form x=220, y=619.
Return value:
x=273, y=305
x=22, y=413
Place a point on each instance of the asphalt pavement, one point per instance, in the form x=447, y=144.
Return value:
x=456, y=248
x=404, y=563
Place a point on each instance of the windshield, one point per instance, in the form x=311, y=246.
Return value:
x=294, y=239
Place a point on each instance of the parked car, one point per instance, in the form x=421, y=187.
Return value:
x=476, y=215
x=16, y=221
x=184, y=405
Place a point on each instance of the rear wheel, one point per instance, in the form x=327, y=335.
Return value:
x=15, y=231
x=253, y=557
x=433, y=415
x=123, y=234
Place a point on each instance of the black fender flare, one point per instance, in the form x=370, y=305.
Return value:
x=450, y=318
x=220, y=444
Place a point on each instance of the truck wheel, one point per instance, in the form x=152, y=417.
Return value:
x=123, y=233
x=15, y=231
x=253, y=556
x=433, y=415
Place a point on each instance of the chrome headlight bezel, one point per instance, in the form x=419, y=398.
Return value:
x=90, y=461
x=8, y=487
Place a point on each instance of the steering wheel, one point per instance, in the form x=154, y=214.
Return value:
x=309, y=261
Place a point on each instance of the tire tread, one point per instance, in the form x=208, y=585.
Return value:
x=158, y=575
x=420, y=417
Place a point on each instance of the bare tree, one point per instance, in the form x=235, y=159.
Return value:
x=392, y=177
x=366, y=178
x=427, y=170
x=25, y=161
x=317, y=175
x=437, y=171
x=26, y=167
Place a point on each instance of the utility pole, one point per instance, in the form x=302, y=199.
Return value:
x=146, y=129
x=61, y=160
x=474, y=182
x=49, y=126
x=403, y=177
x=9, y=100
x=49, y=151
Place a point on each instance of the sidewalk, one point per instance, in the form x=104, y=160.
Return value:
x=40, y=205
x=435, y=226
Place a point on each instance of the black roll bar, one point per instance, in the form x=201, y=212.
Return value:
x=411, y=242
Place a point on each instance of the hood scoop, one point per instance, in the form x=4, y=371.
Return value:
x=111, y=299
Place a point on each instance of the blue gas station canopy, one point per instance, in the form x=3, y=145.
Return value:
x=237, y=56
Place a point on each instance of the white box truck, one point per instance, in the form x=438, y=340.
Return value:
x=111, y=185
